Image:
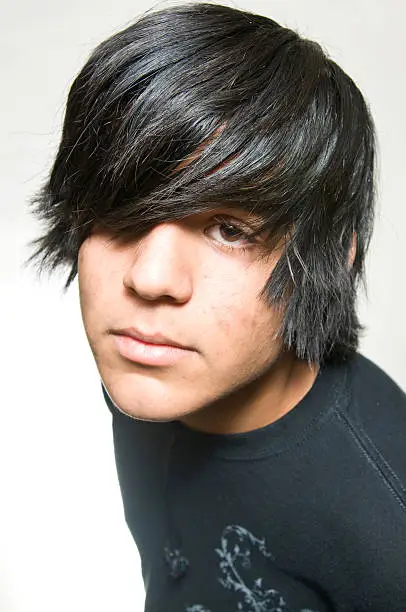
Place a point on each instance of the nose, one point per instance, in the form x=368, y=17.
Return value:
x=161, y=264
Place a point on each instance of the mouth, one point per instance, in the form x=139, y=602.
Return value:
x=151, y=350
x=155, y=339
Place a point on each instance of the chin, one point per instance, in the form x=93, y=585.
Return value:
x=148, y=402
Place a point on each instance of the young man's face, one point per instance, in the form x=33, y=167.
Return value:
x=182, y=282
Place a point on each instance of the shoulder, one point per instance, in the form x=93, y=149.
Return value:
x=376, y=415
x=375, y=396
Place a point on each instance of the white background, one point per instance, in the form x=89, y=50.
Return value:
x=64, y=545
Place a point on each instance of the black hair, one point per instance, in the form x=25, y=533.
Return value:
x=281, y=131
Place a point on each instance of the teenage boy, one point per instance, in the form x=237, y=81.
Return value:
x=213, y=190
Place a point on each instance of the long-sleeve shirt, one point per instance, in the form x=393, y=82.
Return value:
x=307, y=514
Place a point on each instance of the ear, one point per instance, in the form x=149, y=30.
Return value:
x=353, y=250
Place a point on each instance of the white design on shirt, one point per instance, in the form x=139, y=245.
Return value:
x=236, y=546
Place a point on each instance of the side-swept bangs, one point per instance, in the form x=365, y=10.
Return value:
x=202, y=106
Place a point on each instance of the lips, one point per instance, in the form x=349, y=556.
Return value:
x=156, y=339
x=132, y=347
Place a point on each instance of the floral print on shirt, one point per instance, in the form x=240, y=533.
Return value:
x=236, y=547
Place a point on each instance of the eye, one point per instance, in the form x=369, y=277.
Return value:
x=230, y=234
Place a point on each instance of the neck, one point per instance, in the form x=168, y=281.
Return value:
x=260, y=402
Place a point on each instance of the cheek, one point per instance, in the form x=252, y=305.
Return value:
x=99, y=276
x=83, y=280
x=243, y=322
x=244, y=343
x=93, y=287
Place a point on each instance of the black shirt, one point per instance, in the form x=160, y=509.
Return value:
x=307, y=514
